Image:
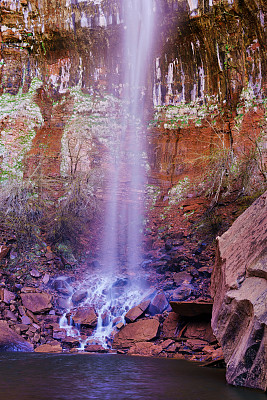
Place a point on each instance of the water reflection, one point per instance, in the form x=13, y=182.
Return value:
x=80, y=377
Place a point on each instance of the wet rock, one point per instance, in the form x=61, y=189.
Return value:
x=133, y=314
x=144, y=305
x=11, y=341
x=120, y=325
x=158, y=304
x=95, y=348
x=182, y=278
x=49, y=348
x=239, y=288
x=63, y=303
x=72, y=341
x=59, y=333
x=140, y=331
x=35, y=273
x=62, y=287
x=79, y=296
x=146, y=349
x=85, y=316
x=37, y=302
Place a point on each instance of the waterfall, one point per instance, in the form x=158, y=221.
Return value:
x=117, y=285
x=124, y=212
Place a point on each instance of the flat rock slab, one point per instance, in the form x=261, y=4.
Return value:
x=11, y=341
x=85, y=316
x=191, y=308
x=133, y=314
x=37, y=302
x=48, y=348
x=140, y=331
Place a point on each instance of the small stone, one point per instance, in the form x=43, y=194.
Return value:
x=45, y=279
x=26, y=320
x=34, y=273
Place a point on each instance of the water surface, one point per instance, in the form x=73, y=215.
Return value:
x=29, y=376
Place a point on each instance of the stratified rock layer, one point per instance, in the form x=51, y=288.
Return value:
x=239, y=288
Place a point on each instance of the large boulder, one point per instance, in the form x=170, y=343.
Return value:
x=140, y=331
x=11, y=341
x=85, y=316
x=239, y=288
x=158, y=304
x=37, y=302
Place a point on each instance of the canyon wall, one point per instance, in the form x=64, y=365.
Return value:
x=207, y=82
x=240, y=291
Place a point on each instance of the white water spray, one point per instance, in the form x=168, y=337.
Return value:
x=121, y=247
x=125, y=190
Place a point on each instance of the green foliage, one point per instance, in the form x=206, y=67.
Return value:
x=179, y=191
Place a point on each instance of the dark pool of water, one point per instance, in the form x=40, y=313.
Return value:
x=25, y=376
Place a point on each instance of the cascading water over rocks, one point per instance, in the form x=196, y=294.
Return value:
x=116, y=286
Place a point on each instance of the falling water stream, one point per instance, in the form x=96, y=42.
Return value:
x=117, y=286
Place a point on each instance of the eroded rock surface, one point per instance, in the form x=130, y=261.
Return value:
x=239, y=288
x=11, y=341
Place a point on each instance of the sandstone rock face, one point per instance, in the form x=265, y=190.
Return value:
x=49, y=348
x=140, y=331
x=11, y=341
x=37, y=302
x=239, y=288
